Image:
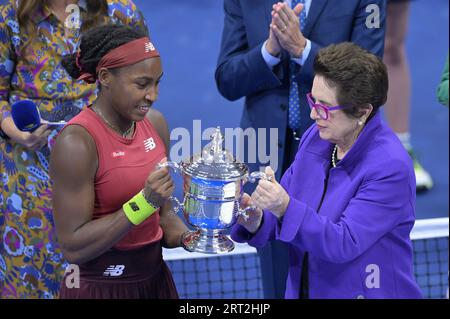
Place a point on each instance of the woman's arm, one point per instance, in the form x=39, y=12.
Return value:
x=383, y=201
x=171, y=224
x=7, y=66
x=8, y=61
x=33, y=141
x=241, y=70
x=73, y=165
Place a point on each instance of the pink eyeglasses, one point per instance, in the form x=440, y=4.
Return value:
x=321, y=109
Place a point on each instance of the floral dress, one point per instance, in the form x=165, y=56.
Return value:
x=31, y=263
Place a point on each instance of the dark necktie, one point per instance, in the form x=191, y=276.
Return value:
x=294, y=98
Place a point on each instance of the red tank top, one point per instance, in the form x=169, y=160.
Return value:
x=123, y=166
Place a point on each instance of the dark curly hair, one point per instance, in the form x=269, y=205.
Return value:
x=96, y=43
x=359, y=76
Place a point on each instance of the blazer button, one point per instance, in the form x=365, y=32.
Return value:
x=283, y=107
x=280, y=145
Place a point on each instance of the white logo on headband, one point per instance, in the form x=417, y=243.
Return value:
x=149, y=47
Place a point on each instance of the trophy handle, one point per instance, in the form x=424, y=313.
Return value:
x=258, y=175
x=252, y=179
x=244, y=212
x=172, y=165
x=176, y=205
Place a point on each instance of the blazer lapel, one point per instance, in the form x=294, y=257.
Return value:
x=315, y=10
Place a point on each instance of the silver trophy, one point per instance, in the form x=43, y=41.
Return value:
x=212, y=185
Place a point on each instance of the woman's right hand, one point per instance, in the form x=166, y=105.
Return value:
x=34, y=141
x=254, y=216
x=159, y=186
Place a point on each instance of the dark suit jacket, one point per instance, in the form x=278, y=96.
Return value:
x=242, y=71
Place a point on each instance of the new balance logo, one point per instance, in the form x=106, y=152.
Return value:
x=114, y=271
x=149, y=47
x=149, y=144
x=134, y=206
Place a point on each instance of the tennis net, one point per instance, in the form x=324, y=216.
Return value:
x=237, y=275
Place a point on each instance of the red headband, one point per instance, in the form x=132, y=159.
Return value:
x=126, y=54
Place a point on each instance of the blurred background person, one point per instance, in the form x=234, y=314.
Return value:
x=34, y=36
x=443, y=86
x=398, y=106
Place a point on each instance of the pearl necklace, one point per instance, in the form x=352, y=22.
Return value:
x=123, y=134
x=334, y=155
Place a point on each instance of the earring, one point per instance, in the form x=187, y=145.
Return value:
x=360, y=123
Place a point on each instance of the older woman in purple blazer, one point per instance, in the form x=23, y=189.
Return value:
x=346, y=204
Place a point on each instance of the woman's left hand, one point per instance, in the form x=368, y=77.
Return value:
x=270, y=195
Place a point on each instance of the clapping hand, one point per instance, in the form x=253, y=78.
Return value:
x=272, y=44
x=286, y=27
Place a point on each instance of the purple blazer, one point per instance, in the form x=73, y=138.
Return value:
x=358, y=240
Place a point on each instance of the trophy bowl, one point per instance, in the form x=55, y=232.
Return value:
x=212, y=189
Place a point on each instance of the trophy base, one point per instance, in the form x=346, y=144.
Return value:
x=207, y=242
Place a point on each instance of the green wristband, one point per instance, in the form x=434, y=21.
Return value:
x=138, y=209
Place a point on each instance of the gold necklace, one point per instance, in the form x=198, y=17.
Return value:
x=123, y=134
x=334, y=155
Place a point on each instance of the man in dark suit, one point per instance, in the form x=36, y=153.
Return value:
x=266, y=56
